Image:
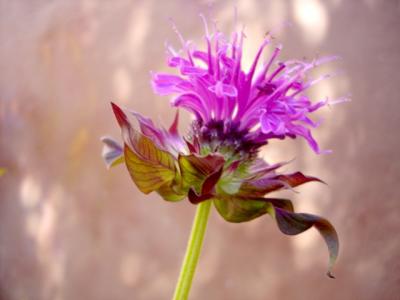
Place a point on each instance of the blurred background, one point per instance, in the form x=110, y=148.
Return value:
x=71, y=229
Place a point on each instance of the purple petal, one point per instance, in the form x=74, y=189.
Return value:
x=165, y=84
x=221, y=89
x=191, y=70
x=191, y=102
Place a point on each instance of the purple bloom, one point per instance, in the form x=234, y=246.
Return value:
x=235, y=113
x=260, y=105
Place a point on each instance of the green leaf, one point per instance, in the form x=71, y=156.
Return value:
x=149, y=167
x=262, y=186
x=169, y=192
x=237, y=209
x=230, y=184
x=196, y=169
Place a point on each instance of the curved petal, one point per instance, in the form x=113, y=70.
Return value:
x=165, y=84
x=191, y=102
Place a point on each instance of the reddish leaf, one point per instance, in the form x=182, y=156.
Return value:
x=238, y=209
x=191, y=147
x=296, y=179
x=211, y=180
x=120, y=115
x=173, y=129
x=194, y=198
x=196, y=169
x=262, y=186
x=207, y=189
x=294, y=223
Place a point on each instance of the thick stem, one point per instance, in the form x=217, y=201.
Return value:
x=192, y=251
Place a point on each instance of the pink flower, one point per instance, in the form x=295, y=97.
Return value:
x=261, y=105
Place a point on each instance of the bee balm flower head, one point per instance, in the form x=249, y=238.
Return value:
x=235, y=113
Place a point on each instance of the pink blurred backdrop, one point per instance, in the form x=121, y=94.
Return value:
x=70, y=229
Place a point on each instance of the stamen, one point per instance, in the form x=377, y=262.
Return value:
x=260, y=50
x=182, y=40
x=268, y=65
x=205, y=25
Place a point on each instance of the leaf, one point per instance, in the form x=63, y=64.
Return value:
x=237, y=209
x=194, y=198
x=236, y=173
x=3, y=171
x=120, y=116
x=196, y=169
x=260, y=187
x=211, y=180
x=173, y=129
x=169, y=193
x=149, y=167
x=229, y=184
x=112, y=152
x=260, y=168
x=294, y=223
x=296, y=179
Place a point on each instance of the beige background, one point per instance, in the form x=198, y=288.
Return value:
x=70, y=229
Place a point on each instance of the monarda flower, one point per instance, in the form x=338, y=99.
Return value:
x=235, y=113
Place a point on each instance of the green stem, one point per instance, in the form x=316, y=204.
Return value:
x=192, y=251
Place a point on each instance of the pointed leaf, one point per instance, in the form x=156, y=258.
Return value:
x=122, y=119
x=211, y=180
x=112, y=153
x=207, y=188
x=237, y=209
x=261, y=186
x=173, y=129
x=294, y=223
x=149, y=167
x=296, y=179
x=191, y=147
x=260, y=168
x=194, y=198
x=195, y=169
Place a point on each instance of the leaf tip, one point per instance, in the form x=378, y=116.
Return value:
x=330, y=275
x=119, y=115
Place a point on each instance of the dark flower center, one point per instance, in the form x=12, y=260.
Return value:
x=225, y=137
